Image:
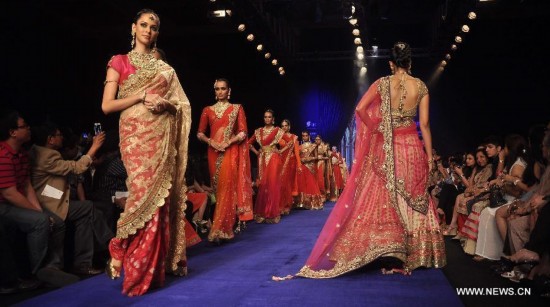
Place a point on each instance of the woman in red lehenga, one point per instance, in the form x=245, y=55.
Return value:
x=384, y=210
x=323, y=152
x=267, y=207
x=309, y=196
x=154, y=130
x=290, y=156
x=228, y=162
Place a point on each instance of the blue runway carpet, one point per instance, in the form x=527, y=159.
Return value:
x=239, y=274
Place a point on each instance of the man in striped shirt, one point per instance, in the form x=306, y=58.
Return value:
x=18, y=202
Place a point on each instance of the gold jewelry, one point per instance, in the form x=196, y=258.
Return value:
x=220, y=107
x=133, y=42
x=144, y=95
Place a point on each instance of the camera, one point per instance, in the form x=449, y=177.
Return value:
x=97, y=128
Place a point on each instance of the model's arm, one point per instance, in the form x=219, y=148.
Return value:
x=424, y=118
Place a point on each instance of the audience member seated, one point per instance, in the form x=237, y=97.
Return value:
x=49, y=178
x=18, y=201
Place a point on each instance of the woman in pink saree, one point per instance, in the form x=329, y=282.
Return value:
x=384, y=210
x=154, y=127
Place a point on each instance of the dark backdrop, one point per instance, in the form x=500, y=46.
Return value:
x=56, y=53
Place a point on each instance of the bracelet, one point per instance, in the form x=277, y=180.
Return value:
x=208, y=142
x=144, y=95
x=500, y=161
x=516, y=181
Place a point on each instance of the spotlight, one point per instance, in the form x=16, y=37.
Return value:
x=472, y=15
x=447, y=56
x=282, y=73
x=274, y=62
x=453, y=47
x=241, y=27
x=267, y=55
x=355, y=32
x=250, y=37
x=440, y=69
x=281, y=69
x=458, y=39
x=347, y=9
x=353, y=21
x=465, y=29
x=363, y=70
x=360, y=56
x=220, y=13
x=260, y=47
x=357, y=41
x=359, y=48
x=443, y=63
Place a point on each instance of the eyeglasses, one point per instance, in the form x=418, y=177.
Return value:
x=25, y=126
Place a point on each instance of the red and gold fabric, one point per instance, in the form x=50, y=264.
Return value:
x=150, y=234
x=229, y=170
x=290, y=156
x=267, y=207
x=309, y=196
x=384, y=209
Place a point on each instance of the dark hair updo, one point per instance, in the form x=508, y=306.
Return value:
x=146, y=11
x=401, y=55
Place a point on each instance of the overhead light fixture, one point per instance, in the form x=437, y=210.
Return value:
x=458, y=39
x=220, y=13
x=443, y=63
x=281, y=69
x=355, y=32
x=250, y=37
x=447, y=56
x=357, y=41
x=359, y=49
x=472, y=15
x=282, y=73
x=348, y=9
x=465, y=29
x=274, y=62
x=453, y=47
x=360, y=56
x=260, y=47
x=241, y=27
x=353, y=21
x=363, y=70
x=267, y=55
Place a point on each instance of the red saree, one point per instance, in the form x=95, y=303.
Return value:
x=290, y=158
x=229, y=170
x=322, y=170
x=337, y=171
x=384, y=209
x=308, y=187
x=151, y=231
x=268, y=200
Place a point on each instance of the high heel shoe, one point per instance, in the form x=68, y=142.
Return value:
x=112, y=271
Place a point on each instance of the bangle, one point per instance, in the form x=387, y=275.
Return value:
x=144, y=95
x=516, y=181
x=500, y=161
x=208, y=142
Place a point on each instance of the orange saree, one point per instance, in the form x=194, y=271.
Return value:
x=290, y=155
x=267, y=207
x=309, y=196
x=229, y=170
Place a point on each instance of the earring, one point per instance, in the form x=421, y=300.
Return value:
x=229, y=96
x=154, y=49
x=392, y=68
x=133, y=40
x=409, y=71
